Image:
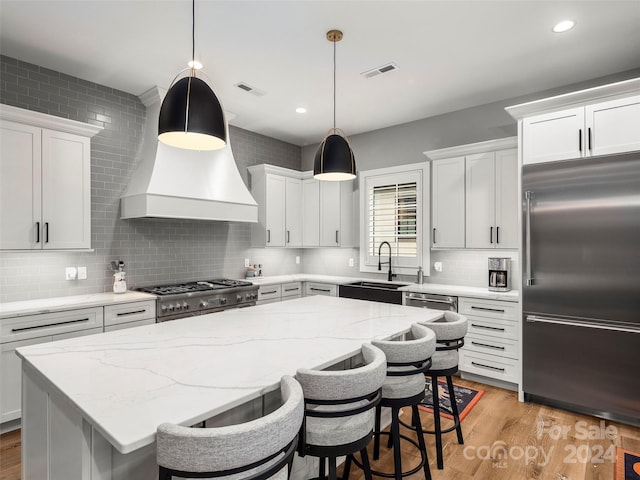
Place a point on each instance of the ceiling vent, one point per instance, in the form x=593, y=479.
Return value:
x=389, y=67
x=252, y=90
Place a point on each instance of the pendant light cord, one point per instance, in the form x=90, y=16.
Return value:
x=193, y=31
x=334, y=85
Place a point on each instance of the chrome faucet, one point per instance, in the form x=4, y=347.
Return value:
x=390, y=275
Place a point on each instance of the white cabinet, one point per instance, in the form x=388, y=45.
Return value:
x=600, y=128
x=293, y=212
x=278, y=192
x=316, y=288
x=127, y=315
x=475, y=195
x=269, y=294
x=310, y=212
x=491, y=346
x=492, y=200
x=279, y=292
x=291, y=290
x=328, y=213
x=45, y=182
x=448, y=211
x=27, y=330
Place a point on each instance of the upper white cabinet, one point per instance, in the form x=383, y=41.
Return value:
x=448, y=215
x=45, y=181
x=475, y=195
x=597, y=121
x=492, y=199
x=278, y=194
x=295, y=210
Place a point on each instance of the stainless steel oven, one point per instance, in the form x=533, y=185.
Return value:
x=430, y=300
x=199, y=298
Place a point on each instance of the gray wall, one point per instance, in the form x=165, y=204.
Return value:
x=154, y=251
x=405, y=143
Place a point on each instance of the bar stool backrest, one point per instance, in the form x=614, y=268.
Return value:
x=235, y=447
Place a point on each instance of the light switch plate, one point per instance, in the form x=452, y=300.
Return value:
x=246, y=262
x=351, y=263
x=437, y=266
x=297, y=260
x=82, y=273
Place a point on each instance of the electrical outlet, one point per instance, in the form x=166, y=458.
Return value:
x=82, y=273
x=297, y=260
x=71, y=273
x=437, y=266
x=246, y=262
x=351, y=263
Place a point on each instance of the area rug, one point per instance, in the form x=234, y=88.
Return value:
x=627, y=465
x=466, y=398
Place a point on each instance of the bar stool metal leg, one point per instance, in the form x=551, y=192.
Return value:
x=436, y=421
x=454, y=410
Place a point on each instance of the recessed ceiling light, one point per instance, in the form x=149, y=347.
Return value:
x=564, y=26
x=194, y=64
x=301, y=110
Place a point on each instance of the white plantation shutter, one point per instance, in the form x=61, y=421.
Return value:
x=392, y=218
x=392, y=203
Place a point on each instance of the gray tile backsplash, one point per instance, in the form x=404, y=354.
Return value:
x=154, y=251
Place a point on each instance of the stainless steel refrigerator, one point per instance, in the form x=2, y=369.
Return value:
x=581, y=285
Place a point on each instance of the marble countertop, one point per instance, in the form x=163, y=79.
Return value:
x=436, y=288
x=56, y=304
x=127, y=382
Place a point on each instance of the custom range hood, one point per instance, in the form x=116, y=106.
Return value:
x=171, y=182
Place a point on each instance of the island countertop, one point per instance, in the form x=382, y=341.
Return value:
x=125, y=383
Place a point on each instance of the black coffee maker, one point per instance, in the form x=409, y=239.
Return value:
x=499, y=280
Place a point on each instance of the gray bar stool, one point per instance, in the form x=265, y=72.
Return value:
x=407, y=362
x=450, y=332
x=255, y=450
x=339, y=411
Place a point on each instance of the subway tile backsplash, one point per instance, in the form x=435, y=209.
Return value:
x=154, y=250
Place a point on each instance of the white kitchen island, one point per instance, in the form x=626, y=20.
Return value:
x=91, y=405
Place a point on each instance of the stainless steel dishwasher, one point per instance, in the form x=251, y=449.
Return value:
x=430, y=300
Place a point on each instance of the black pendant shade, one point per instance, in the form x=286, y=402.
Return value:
x=334, y=159
x=191, y=116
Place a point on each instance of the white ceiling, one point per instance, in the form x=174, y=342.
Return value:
x=451, y=54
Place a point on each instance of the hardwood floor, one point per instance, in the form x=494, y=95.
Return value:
x=504, y=439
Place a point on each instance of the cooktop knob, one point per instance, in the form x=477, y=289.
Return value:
x=164, y=308
x=223, y=301
x=185, y=306
x=204, y=304
x=238, y=298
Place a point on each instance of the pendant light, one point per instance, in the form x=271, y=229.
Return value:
x=334, y=159
x=191, y=116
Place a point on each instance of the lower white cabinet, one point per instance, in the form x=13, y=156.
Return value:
x=291, y=290
x=279, y=292
x=269, y=294
x=28, y=330
x=492, y=344
x=315, y=288
x=22, y=331
x=127, y=315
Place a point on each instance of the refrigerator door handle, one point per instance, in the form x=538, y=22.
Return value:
x=575, y=323
x=529, y=275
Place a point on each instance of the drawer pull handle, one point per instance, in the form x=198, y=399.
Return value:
x=37, y=232
x=270, y=293
x=319, y=290
x=292, y=289
x=488, y=328
x=487, y=345
x=46, y=231
x=487, y=309
x=122, y=314
x=35, y=327
x=487, y=366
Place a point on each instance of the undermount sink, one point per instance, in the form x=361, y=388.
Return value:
x=372, y=291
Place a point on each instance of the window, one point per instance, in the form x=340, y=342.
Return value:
x=393, y=201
